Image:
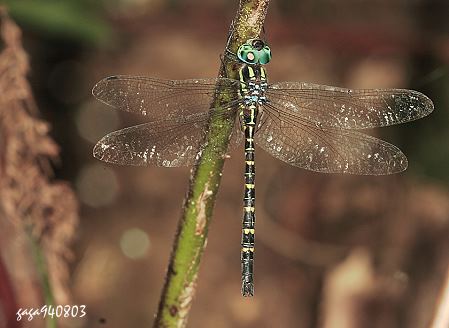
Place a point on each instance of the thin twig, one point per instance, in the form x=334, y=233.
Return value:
x=188, y=248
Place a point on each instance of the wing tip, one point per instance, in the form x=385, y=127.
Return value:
x=403, y=167
x=97, y=89
x=400, y=162
x=98, y=150
x=426, y=103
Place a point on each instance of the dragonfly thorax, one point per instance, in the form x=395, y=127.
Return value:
x=253, y=85
x=255, y=93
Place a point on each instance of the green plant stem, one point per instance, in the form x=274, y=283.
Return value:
x=180, y=284
x=42, y=271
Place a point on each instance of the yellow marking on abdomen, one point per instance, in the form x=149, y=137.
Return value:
x=248, y=249
x=249, y=185
x=248, y=231
x=249, y=162
x=249, y=208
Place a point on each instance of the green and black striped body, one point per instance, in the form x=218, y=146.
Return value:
x=252, y=88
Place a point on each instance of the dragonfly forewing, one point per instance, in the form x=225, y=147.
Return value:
x=347, y=108
x=160, y=99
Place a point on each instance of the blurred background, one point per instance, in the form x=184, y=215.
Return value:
x=332, y=250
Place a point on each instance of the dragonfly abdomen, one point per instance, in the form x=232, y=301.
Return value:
x=249, y=217
x=252, y=90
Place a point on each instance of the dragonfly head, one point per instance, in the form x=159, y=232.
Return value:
x=254, y=51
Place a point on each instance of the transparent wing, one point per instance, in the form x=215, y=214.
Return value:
x=327, y=150
x=160, y=99
x=169, y=143
x=347, y=108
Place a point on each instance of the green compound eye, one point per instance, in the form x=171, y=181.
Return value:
x=265, y=55
x=254, y=51
x=247, y=54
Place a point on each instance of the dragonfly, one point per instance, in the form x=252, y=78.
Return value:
x=314, y=127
